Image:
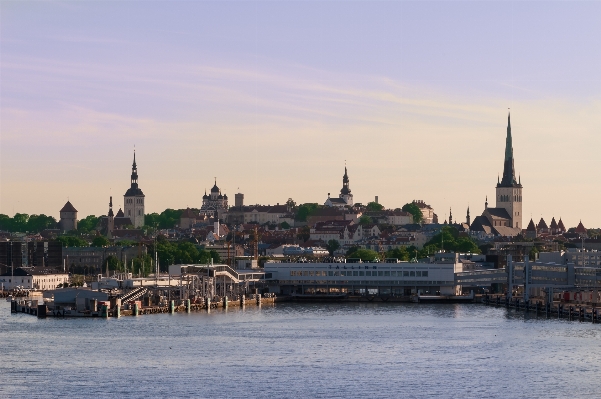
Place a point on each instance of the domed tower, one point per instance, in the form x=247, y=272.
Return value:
x=345, y=192
x=509, y=189
x=133, y=200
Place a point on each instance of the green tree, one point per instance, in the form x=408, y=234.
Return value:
x=72, y=241
x=87, y=224
x=401, y=253
x=291, y=204
x=38, y=223
x=332, y=246
x=167, y=219
x=363, y=220
x=113, y=264
x=414, y=211
x=284, y=225
x=305, y=210
x=366, y=255
x=126, y=243
x=100, y=241
x=449, y=240
x=374, y=206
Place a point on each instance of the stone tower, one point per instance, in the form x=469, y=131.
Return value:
x=509, y=189
x=133, y=200
x=68, y=216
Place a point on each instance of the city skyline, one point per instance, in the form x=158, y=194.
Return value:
x=413, y=96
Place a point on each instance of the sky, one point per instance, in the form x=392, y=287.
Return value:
x=273, y=98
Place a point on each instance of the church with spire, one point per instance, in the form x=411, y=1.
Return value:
x=506, y=218
x=345, y=198
x=133, y=200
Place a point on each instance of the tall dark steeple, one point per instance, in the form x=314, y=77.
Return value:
x=509, y=179
x=345, y=184
x=134, y=173
x=468, y=219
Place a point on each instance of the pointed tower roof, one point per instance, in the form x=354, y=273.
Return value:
x=120, y=213
x=581, y=228
x=345, y=184
x=68, y=207
x=542, y=224
x=531, y=226
x=509, y=179
x=134, y=190
x=110, y=214
x=560, y=225
x=553, y=224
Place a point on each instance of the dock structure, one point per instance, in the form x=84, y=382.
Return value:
x=562, y=309
x=187, y=288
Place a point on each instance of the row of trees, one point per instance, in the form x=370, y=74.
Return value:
x=22, y=222
x=181, y=252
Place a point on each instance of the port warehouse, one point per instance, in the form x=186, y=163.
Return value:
x=444, y=276
x=391, y=277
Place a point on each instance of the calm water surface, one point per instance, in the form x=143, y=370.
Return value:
x=303, y=350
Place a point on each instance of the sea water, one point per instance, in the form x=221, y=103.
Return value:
x=290, y=350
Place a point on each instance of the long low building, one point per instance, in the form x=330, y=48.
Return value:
x=390, y=277
x=33, y=278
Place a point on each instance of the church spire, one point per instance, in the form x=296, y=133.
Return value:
x=509, y=179
x=345, y=184
x=134, y=173
x=468, y=219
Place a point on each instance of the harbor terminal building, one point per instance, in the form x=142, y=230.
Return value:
x=353, y=277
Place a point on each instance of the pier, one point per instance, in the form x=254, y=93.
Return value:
x=580, y=311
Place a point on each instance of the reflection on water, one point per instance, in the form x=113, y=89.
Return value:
x=302, y=350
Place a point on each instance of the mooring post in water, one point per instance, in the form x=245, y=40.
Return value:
x=117, y=311
x=171, y=306
x=104, y=311
x=187, y=306
x=258, y=299
x=571, y=310
x=225, y=302
x=208, y=303
x=42, y=309
x=136, y=309
x=242, y=299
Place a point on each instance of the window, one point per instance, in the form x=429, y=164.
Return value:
x=355, y=273
x=330, y=273
x=412, y=274
x=380, y=274
x=418, y=273
x=361, y=273
x=425, y=273
x=405, y=274
x=368, y=273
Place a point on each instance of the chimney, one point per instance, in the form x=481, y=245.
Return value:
x=376, y=199
x=216, y=228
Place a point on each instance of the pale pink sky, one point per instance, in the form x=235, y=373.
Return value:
x=273, y=97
